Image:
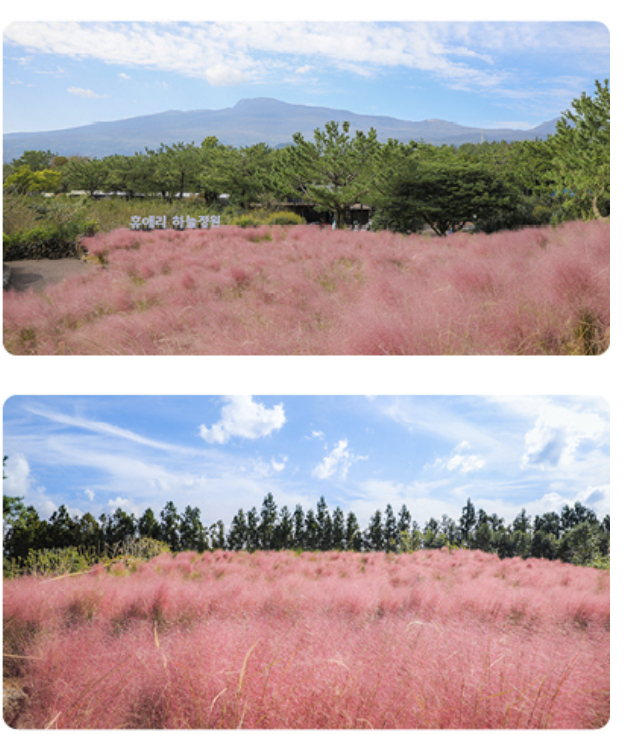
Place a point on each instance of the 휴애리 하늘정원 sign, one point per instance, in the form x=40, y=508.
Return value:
x=204, y=221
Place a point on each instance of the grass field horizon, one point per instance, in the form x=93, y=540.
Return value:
x=302, y=290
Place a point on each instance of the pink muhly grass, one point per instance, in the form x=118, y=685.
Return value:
x=320, y=640
x=307, y=291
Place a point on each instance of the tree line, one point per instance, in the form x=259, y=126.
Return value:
x=493, y=185
x=574, y=535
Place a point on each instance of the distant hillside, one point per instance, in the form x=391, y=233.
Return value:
x=250, y=121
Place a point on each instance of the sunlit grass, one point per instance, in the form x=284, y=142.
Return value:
x=302, y=290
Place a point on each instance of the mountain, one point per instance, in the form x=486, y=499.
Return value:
x=250, y=121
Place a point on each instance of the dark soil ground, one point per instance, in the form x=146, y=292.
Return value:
x=39, y=274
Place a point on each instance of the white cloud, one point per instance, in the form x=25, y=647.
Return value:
x=465, y=464
x=224, y=75
x=122, y=75
x=557, y=434
x=459, y=461
x=85, y=93
x=279, y=465
x=18, y=479
x=243, y=417
x=464, y=56
x=337, y=462
x=90, y=494
x=19, y=483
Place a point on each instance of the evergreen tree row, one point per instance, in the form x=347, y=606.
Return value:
x=574, y=535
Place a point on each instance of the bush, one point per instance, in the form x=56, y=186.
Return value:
x=50, y=241
x=284, y=219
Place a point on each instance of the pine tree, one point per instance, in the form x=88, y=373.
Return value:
x=284, y=531
x=391, y=535
x=375, y=540
x=267, y=523
x=169, y=527
x=325, y=526
x=354, y=540
x=299, y=527
x=238, y=532
x=338, y=533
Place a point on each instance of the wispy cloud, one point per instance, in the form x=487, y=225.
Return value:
x=85, y=93
x=461, y=55
x=337, y=462
x=104, y=428
x=435, y=418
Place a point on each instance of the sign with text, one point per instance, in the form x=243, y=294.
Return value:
x=204, y=221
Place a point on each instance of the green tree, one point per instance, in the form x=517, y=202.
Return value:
x=250, y=175
x=252, y=530
x=450, y=531
x=267, y=524
x=391, y=534
x=324, y=526
x=580, y=545
x=482, y=539
x=299, y=527
x=354, y=540
x=216, y=167
x=217, y=536
x=62, y=529
x=544, y=545
x=431, y=535
x=338, y=532
x=375, y=539
x=284, y=531
x=582, y=153
x=467, y=521
x=192, y=533
x=312, y=532
x=238, y=532
x=403, y=523
x=121, y=527
x=25, y=181
x=446, y=195
x=85, y=175
x=148, y=525
x=175, y=168
x=35, y=160
x=169, y=527
x=127, y=174
x=89, y=532
x=334, y=171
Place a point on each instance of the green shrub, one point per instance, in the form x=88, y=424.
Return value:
x=58, y=561
x=284, y=219
x=246, y=220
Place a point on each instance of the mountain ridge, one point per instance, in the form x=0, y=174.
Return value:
x=249, y=121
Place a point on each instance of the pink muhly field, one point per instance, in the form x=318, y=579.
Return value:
x=433, y=639
x=303, y=290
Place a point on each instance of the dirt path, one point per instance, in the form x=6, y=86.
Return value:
x=39, y=274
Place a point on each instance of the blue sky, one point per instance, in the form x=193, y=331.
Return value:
x=506, y=74
x=95, y=454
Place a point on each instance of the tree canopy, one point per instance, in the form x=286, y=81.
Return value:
x=491, y=185
x=575, y=535
x=582, y=152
